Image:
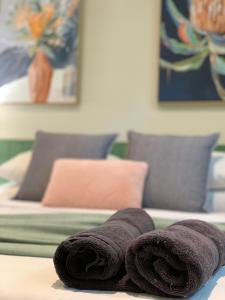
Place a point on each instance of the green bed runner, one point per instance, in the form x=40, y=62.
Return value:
x=39, y=235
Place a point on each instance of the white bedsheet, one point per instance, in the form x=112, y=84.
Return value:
x=24, y=278
x=25, y=207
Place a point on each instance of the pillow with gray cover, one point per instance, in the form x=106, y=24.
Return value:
x=178, y=169
x=51, y=146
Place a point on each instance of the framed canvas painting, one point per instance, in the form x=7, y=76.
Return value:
x=38, y=51
x=192, y=56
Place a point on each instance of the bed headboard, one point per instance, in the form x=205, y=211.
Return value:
x=9, y=148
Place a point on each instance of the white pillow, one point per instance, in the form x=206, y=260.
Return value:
x=216, y=179
x=113, y=157
x=15, y=168
x=8, y=190
x=215, y=201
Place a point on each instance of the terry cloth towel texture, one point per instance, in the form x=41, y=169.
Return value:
x=95, y=259
x=178, y=260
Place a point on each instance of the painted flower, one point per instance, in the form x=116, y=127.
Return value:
x=73, y=7
x=37, y=23
x=48, y=12
x=201, y=38
x=42, y=23
x=208, y=15
x=21, y=17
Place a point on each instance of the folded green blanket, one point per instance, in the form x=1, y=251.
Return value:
x=39, y=235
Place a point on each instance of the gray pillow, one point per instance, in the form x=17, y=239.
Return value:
x=178, y=169
x=48, y=147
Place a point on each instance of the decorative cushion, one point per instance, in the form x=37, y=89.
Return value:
x=216, y=179
x=15, y=168
x=215, y=201
x=178, y=169
x=96, y=184
x=50, y=146
x=8, y=190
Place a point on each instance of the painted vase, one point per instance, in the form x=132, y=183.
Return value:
x=208, y=15
x=40, y=78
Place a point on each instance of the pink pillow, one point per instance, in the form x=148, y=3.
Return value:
x=99, y=184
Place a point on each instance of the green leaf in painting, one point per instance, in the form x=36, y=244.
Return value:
x=35, y=5
x=48, y=51
x=188, y=64
x=32, y=50
x=175, y=14
x=176, y=46
x=218, y=64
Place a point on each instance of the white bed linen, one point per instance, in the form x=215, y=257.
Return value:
x=25, y=207
x=27, y=278
x=24, y=278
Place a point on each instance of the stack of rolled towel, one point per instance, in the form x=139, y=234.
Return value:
x=126, y=253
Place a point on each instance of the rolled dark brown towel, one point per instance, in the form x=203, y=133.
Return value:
x=178, y=260
x=95, y=259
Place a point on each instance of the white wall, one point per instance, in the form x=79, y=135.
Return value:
x=119, y=81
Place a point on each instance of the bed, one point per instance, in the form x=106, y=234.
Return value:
x=37, y=275
x=26, y=277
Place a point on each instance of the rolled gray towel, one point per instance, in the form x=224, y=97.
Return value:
x=178, y=260
x=95, y=259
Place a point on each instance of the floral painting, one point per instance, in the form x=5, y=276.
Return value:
x=38, y=51
x=192, y=59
